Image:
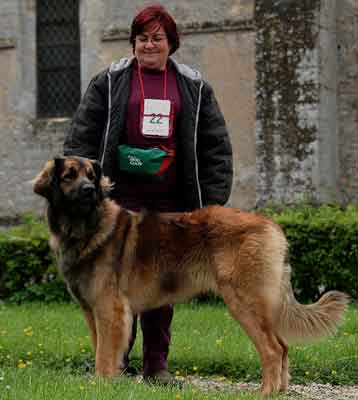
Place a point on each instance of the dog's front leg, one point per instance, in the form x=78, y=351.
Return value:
x=89, y=317
x=113, y=321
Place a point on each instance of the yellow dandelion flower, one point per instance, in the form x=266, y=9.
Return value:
x=21, y=365
x=29, y=353
x=177, y=397
x=177, y=373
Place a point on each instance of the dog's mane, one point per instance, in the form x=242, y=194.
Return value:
x=89, y=233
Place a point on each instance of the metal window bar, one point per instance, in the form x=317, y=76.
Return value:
x=58, y=58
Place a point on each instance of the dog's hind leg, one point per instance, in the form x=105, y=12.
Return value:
x=285, y=376
x=113, y=322
x=255, y=316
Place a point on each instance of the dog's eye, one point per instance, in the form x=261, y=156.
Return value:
x=70, y=175
x=91, y=176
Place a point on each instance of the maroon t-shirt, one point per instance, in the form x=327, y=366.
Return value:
x=133, y=191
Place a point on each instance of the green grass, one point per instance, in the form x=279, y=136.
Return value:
x=45, y=354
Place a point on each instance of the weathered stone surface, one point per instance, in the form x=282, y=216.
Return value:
x=285, y=74
x=287, y=100
x=26, y=145
x=211, y=12
x=7, y=43
x=347, y=27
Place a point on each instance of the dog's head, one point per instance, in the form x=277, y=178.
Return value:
x=73, y=184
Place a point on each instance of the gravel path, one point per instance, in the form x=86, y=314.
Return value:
x=314, y=391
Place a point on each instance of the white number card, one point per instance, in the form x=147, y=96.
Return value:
x=157, y=118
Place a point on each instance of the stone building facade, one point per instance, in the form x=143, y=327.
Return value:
x=285, y=73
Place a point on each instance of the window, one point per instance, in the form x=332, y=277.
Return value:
x=58, y=58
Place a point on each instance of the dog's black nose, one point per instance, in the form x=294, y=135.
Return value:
x=87, y=189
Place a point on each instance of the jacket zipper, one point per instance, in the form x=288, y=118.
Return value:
x=195, y=145
x=108, y=118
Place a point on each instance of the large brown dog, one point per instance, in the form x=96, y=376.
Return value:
x=117, y=263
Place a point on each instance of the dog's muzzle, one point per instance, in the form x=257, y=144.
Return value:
x=87, y=189
x=88, y=192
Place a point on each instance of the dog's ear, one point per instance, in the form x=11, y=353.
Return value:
x=45, y=179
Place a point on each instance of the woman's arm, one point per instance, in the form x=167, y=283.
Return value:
x=85, y=134
x=214, y=151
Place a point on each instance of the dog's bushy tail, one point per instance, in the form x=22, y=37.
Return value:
x=303, y=323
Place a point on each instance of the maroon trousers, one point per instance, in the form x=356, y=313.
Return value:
x=155, y=326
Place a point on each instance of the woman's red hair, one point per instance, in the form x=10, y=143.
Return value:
x=156, y=14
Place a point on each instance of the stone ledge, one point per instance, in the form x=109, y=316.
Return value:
x=115, y=32
x=7, y=43
x=50, y=124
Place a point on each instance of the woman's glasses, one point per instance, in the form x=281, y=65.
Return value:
x=155, y=39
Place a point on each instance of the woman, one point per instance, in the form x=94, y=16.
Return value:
x=159, y=134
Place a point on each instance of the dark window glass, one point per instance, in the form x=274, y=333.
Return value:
x=58, y=58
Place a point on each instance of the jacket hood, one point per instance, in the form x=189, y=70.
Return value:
x=184, y=69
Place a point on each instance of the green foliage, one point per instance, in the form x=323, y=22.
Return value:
x=27, y=268
x=323, y=246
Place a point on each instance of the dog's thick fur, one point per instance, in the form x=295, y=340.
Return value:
x=117, y=263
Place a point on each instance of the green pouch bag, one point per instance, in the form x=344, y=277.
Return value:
x=151, y=162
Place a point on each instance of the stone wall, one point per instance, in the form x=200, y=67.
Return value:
x=288, y=95
x=347, y=28
x=288, y=102
x=307, y=125
x=24, y=150
x=18, y=155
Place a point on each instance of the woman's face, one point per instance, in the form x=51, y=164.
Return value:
x=152, y=47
